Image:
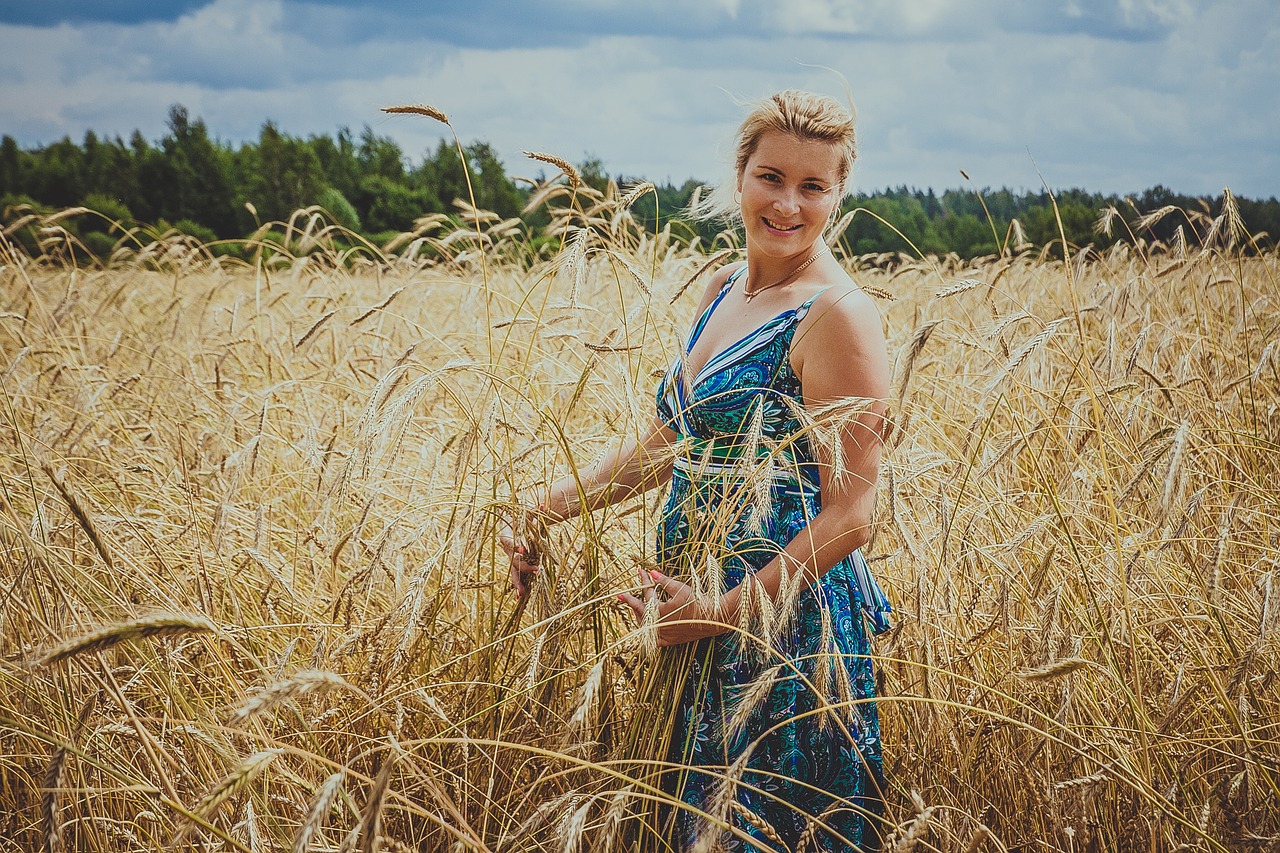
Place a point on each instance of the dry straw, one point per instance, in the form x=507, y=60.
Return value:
x=371, y=818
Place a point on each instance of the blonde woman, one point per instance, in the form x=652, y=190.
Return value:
x=779, y=339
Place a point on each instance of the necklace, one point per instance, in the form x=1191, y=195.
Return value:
x=752, y=294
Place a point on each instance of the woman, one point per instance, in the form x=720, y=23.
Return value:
x=777, y=339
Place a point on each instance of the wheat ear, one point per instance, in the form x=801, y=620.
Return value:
x=230, y=786
x=299, y=684
x=324, y=799
x=371, y=819
x=575, y=179
x=1055, y=669
x=161, y=624
x=419, y=110
x=82, y=517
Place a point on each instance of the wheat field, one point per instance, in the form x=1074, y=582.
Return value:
x=251, y=598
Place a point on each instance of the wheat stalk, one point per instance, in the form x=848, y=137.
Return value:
x=50, y=794
x=1023, y=352
x=635, y=193
x=918, y=339
x=714, y=260
x=379, y=307
x=371, y=818
x=981, y=834
x=570, y=828
x=964, y=285
x=1054, y=669
x=760, y=824
x=81, y=516
x=587, y=705
x=315, y=327
x=757, y=692
x=906, y=839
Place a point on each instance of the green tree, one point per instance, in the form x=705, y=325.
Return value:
x=442, y=174
x=337, y=206
x=57, y=176
x=198, y=179
x=10, y=166
x=281, y=173
x=338, y=161
x=380, y=155
x=593, y=173
x=393, y=206
x=494, y=190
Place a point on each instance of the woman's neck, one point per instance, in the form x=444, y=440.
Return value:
x=765, y=272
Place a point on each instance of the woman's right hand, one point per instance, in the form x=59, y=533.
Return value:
x=523, y=555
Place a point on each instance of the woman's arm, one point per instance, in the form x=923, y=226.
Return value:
x=839, y=353
x=636, y=466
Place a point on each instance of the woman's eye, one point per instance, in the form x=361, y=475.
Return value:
x=814, y=188
x=770, y=177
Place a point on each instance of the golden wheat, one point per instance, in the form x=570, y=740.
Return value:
x=307, y=517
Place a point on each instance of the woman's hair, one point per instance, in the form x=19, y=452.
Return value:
x=804, y=115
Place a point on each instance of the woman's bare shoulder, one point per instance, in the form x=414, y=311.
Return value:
x=842, y=330
x=842, y=307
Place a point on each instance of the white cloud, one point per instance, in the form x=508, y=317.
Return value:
x=1126, y=96
x=874, y=19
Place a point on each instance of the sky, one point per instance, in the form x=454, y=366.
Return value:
x=1111, y=97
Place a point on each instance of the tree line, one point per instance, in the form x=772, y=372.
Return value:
x=214, y=191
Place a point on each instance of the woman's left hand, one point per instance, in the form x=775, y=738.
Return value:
x=682, y=617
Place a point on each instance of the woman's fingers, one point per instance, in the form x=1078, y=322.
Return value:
x=636, y=605
x=672, y=587
x=523, y=570
x=522, y=578
x=675, y=603
x=524, y=560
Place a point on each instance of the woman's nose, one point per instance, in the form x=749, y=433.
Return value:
x=785, y=201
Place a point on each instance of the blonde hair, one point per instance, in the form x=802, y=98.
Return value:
x=804, y=115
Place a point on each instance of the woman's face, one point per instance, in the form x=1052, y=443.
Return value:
x=789, y=187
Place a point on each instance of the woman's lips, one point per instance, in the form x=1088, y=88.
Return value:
x=776, y=227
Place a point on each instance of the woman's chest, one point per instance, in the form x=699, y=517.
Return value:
x=755, y=394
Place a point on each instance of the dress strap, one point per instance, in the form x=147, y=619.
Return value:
x=706, y=315
x=804, y=308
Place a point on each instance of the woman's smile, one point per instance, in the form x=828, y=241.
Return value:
x=778, y=226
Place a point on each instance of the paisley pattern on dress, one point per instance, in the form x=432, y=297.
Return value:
x=806, y=756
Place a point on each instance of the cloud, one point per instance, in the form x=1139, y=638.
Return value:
x=1115, y=96
x=48, y=13
x=1126, y=20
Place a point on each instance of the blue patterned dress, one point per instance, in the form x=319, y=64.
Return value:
x=803, y=762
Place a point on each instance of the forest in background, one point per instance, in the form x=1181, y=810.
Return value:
x=195, y=184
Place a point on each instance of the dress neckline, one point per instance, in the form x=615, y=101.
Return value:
x=689, y=384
